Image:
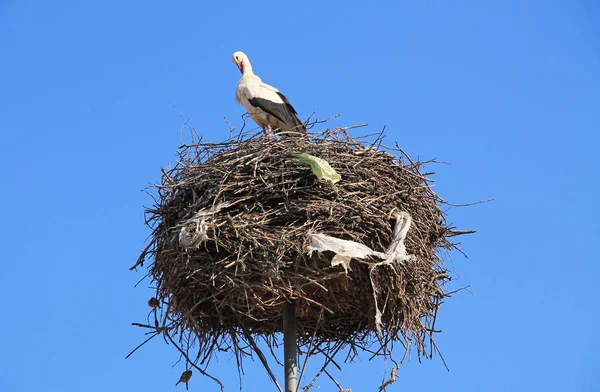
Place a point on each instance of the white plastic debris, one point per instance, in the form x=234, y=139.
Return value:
x=346, y=250
x=192, y=237
x=396, y=252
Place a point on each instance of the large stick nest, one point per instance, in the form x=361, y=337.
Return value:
x=229, y=246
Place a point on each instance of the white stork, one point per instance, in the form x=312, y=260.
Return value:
x=265, y=104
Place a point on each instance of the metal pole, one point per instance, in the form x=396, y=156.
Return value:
x=289, y=347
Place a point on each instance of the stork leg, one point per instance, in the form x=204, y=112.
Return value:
x=268, y=131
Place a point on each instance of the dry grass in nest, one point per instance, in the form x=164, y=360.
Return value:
x=223, y=275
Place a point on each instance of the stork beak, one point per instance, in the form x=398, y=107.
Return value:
x=240, y=67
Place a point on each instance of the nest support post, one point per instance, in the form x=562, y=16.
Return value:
x=290, y=354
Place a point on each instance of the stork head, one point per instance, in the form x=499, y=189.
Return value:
x=240, y=59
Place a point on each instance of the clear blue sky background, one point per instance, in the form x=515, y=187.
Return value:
x=508, y=92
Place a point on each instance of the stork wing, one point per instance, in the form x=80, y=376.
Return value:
x=271, y=101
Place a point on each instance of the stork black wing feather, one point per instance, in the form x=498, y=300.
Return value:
x=284, y=112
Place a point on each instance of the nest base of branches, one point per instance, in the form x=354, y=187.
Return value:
x=229, y=247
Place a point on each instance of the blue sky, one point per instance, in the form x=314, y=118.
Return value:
x=508, y=92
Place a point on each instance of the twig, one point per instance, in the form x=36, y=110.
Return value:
x=391, y=380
